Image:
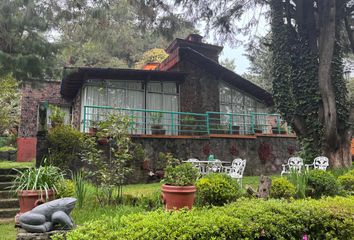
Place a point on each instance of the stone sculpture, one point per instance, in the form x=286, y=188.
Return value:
x=45, y=216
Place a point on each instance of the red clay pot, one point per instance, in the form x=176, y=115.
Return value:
x=177, y=197
x=32, y=198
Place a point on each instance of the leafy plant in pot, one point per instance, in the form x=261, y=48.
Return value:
x=35, y=186
x=188, y=125
x=57, y=116
x=156, y=127
x=178, y=190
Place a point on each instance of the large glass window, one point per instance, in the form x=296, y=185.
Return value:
x=238, y=103
x=161, y=96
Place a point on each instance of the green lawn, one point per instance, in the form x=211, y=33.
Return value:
x=10, y=164
x=92, y=210
x=6, y=148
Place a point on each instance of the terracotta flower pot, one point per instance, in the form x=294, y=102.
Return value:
x=32, y=198
x=102, y=141
x=177, y=197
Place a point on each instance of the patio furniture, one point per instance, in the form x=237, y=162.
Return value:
x=215, y=166
x=236, y=169
x=294, y=164
x=319, y=163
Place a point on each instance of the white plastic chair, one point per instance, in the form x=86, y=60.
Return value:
x=294, y=164
x=236, y=170
x=319, y=163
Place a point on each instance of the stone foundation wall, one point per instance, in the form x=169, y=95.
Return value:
x=264, y=154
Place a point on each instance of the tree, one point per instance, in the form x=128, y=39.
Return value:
x=114, y=33
x=25, y=50
x=154, y=55
x=306, y=42
x=229, y=64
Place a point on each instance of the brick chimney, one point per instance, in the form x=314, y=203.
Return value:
x=194, y=41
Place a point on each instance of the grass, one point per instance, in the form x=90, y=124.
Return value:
x=92, y=210
x=6, y=148
x=10, y=164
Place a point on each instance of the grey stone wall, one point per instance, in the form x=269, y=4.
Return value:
x=34, y=92
x=264, y=155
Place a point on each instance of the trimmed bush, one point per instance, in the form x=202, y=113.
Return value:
x=347, y=181
x=66, y=189
x=282, y=188
x=321, y=183
x=217, y=189
x=65, y=143
x=329, y=218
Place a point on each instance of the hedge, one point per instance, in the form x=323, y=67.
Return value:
x=328, y=218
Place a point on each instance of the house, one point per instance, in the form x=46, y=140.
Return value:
x=187, y=96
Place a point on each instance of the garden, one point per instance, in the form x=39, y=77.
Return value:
x=315, y=204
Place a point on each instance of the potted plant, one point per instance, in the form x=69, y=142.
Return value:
x=35, y=186
x=188, y=125
x=235, y=129
x=93, y=127
x=156, y=127
x=258, y=129
x=56, y=116
x=178, y=190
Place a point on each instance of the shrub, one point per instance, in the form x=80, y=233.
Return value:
x=282, y=188
x=217, y=189
x=65, y=144
x=330, y=218
x=321, y=183
x=299, y=180
x=347, y=181
x=181, y=175
x=65, y=188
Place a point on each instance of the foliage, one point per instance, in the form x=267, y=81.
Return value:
x=229, y=64
x=330, y=218
x=155, y=55
x=126, y=27
x=65, y=144
x=9, y=102
x=26, y=50
x=299, y=180
x=42, y=178
x=156, y=117
x=347, y=181
x=181, y=175
x=321, y=183
x=282, y=188
x=65, y=188
x=57, y=115
x=217, y=189
x=111, y=174
x=79, y=188
x=17, y=165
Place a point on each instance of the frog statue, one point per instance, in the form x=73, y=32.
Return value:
x=45, y=216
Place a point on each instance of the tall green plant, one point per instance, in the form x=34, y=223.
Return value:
x=299, y=180
x=80, y=188
x=111, y=173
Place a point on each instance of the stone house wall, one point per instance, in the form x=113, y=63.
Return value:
x=264, y=154
x=34, y=92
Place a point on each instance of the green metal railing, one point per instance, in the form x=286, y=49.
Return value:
x=144, y=121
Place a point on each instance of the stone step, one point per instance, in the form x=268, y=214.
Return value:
x=7, y=171
x=7, y=220
x=9, y=203
x=7, y=194
x=8, y=212
x=5, y=185
x=7, y=178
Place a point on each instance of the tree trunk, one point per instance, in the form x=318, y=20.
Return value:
x=335, y=146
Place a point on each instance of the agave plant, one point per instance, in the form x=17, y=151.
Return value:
x=43, y=178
